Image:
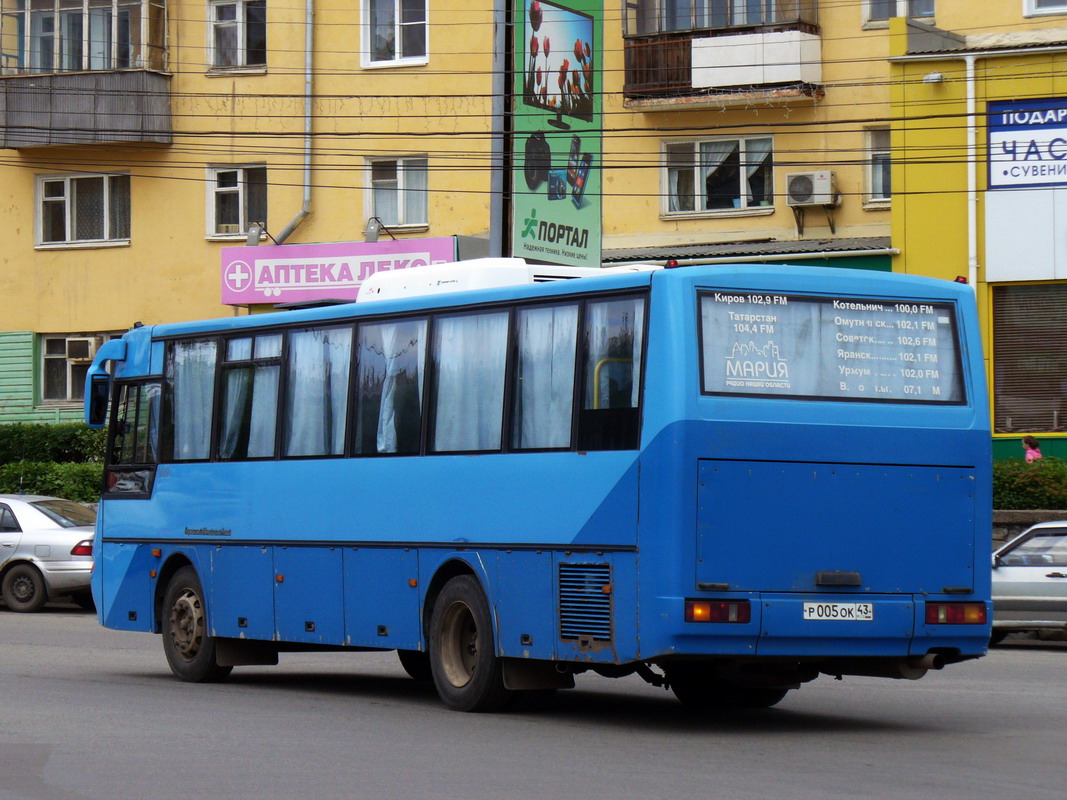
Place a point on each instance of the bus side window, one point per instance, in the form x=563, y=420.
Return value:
x=249, y=402
x=391, y=365
x=317, y=391
x=544, y=377
x=609, y=414
x=190, y=398
x=134, y=449
x=469, y=358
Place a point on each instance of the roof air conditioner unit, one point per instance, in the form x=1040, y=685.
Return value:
x=82, y=349
x=811, y=189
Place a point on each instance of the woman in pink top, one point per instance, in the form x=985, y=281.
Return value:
x=1032, y=448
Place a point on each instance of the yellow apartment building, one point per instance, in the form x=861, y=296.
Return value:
x=141, y=141
x=980, y=190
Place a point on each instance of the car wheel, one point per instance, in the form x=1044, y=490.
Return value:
x=23, y=588
x=189, y=649
x=416, y=664
x=697, y=690
x=466, y=670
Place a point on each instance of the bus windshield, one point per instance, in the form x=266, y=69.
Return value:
x=829, y=348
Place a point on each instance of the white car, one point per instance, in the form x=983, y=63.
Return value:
x=1030, y=582
x=46, y=551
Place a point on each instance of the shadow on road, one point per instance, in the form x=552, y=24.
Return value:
x=623, y=708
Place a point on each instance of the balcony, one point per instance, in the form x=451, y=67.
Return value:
x=78, y=72
x=84, y=108
x=720, y=48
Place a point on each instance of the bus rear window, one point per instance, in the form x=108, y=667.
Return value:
x=829, y=348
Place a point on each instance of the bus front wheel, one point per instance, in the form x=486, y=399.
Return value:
x=189, y=649
x=466, y=670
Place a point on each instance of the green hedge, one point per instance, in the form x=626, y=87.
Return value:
x=62, y=442
x=79, y=482
x=1041, y=485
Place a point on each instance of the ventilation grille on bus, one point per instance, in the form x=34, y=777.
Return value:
x=585, y=601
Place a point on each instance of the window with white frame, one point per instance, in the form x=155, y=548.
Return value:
x=75, y=209
x=880, y=10
x=398, y=191
x=880, y=164
x=65, y=359
x=237, y=197
x=395, y=30
x=82, y=35
x=238, y=34
x=1035, y=7
x=718, y=175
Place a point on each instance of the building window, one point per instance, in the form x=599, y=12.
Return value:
x=718, y=175
x=880, y=164
x=398, y=189
x=1030, y=382
x=880, y=10
x=81, y=35
x=65, y=359
x=237, y=198
x=239, y=34
x=1034, y=7
x=395, y=30
x=83, y=208
x=644, y=17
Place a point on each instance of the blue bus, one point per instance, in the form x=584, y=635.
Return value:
x=729, y=480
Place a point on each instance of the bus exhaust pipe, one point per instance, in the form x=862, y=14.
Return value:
x=910, y=669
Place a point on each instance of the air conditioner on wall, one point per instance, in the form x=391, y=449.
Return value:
x=811, y=189
x=82, y=349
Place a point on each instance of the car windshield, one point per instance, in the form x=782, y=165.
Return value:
x=66, y=513
x=1045, y=549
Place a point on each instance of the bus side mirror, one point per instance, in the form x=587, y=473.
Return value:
x=99, y=390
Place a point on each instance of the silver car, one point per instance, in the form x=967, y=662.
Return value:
x=46, y=550
x=1030, y=582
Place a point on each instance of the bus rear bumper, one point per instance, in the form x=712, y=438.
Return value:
x=818, y=626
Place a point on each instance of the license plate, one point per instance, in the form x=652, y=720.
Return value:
x=839, y=612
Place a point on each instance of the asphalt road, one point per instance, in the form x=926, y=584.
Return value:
x=92, y=714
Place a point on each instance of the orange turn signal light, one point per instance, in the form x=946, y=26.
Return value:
x=955, y=614
x=718, y=611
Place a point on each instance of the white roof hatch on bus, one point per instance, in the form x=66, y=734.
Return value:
x=480, y=273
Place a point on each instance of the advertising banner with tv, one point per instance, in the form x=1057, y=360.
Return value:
x=556, y=195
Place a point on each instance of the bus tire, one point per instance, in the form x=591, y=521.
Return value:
x=466, y=671
x=702, y=692
x=190, y=651
x=416, y=664
x=24, y=589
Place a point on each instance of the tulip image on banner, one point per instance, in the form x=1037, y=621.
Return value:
x=557, y=124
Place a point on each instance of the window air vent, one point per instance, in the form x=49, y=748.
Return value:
x=585, y=601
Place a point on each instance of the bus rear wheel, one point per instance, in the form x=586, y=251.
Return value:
x=189, y=649
x=466, y=670
x=704, y=692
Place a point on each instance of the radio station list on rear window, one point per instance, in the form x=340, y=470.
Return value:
x=829, y=347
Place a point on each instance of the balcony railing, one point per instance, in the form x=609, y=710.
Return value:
x=84, y=108
x=659, y=37
x=658, y=65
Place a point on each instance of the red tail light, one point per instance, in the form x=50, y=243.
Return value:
x=718, y=611
x=83, y=548
x=955, y=614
